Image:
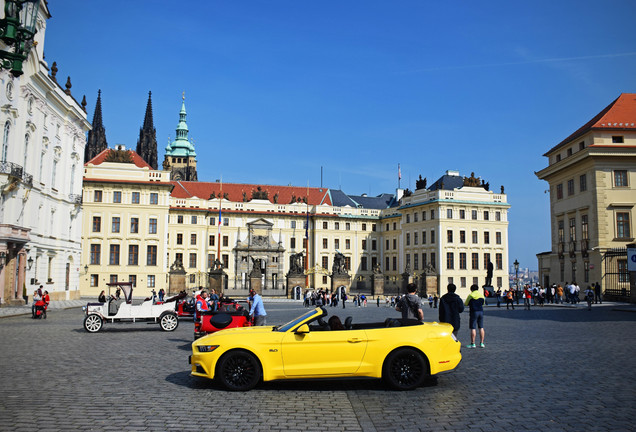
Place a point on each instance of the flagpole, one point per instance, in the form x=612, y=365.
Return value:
x=307, y=240
x=218, y=243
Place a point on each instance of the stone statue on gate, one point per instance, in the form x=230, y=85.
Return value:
x=339, y=264
x=296, y=264
x=256, y=267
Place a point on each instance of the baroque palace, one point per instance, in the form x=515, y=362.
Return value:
x=141, y=224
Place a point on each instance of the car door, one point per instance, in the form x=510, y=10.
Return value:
x=328, y=352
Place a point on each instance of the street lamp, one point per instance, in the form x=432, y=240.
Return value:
x=17, y=30
x=86, y=269
x=516, y=264
x=30, y=263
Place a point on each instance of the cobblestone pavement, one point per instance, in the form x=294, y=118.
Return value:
x=548, y=369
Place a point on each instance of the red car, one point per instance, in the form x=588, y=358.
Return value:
x=229, y=314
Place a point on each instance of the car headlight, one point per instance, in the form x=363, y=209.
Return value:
x=207, y=348
x=84, y=308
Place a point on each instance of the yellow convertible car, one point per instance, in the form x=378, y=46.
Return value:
x=402, y=352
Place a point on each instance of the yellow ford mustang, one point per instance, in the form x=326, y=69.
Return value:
x=403, y=353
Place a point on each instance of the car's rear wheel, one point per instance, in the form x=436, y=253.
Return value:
x=405, y=369
x=93, y=323
x=169, y=322
x=238, y=371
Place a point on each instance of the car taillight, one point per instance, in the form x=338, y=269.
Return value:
x=207, y=348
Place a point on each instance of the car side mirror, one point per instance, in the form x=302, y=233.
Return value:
x=302, y=329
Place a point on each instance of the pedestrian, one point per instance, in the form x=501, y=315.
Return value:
x=257, y=309
x=410, y=304
x=201, y=305
x=450, y=306
x=597, y=294
x=435, y=300
x=378, y=300
x=36, y=298
x=559, y=294
x=162, y=294
x=526, y=297
x=509, y=299
x=430, y=301
x=102, y=297
x=154, y=296
x=344, y=299
x=214, y=300
x=577, y=292
x=498, y=296
x=475, y=303
x=118, y=293
x=589, y=297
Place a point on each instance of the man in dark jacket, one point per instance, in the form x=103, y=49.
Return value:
x=450, y=306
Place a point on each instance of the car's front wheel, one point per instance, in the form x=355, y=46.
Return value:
x=93, y=323
x=238, y=371
x=169, y=322
x=405, y=369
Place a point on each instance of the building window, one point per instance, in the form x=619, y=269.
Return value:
x=347, y=226
x=364, y=244
x=325, y=225
x=462, y=260
x=336, y=243
x=325, y=243
x=498, y=237
x=96, y=250
x=193, y=260
x=620, y=178
x=226, y=221
x=449, y=236
x=151, y=281
x=569, y=151
x=486, y=260
x=572, y=223
x=193, y=220
x=387, y=244
x=486, y=237
x=152, y=226
x=433, y=260
x=364, y=227
x=415, y=216
x=475, y=237
x=151, y=256
x=133, y=280
x=424, y=260
x=114, y=255
x=212, y=220
x=394, y=263
x=193, y=239
x=583, y=183
x=179, y=219
x=462, y=236
x=394, y=226
x=408, y=218
x=97, y=223
x=415, y=262
x=499, y=261
x=497, y=216
x=98, y=196
x=5, y=141
x=336, y=226
x=432, y=214
x=423, y=215
x=179, y=238
x=415, y=238
x=475, y=261
x=133, y=255
x=325, y=262
x=94, y=280
x=462, y=214
x=559, y=191
x=570, y=187
x=363, y=264
x=211, y=240
x=622, y=225
x=474, y=214
x=394, y=244
x=584, y=229
x=617, y=139
x=134, y=225
x=135, y=197
x=408, y=239
x=210, y=260
x=432, y=236
x=292, y=243
x=561, y=231
x=292, y=225
x=486, y=215
x=117, y=196
x=373, y=227
x=154, y=198
x=623, y=274
x=115, y=224
x=347, y=244
x=226, y=241
x=449, y=213
x=423, y=237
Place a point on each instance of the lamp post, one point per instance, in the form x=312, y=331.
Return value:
x=17, y=30
x=516, y=264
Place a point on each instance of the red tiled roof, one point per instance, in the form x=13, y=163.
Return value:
x=620, y=115
x=137, y=160
x=187, y=189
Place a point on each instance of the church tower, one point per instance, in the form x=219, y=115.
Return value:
x=181, y=159
x=147, y=142
x=97, y=135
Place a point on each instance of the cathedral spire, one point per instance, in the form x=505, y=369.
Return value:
x=96, y=142
x=180, y=155
x=147, y=143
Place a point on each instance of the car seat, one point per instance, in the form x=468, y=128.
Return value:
x=347, y=323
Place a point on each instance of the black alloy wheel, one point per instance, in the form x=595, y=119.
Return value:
x=405, y=369
x=238, y=371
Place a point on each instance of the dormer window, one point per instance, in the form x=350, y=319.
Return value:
x=617, y=139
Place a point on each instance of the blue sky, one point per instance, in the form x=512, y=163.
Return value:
x=275, y=90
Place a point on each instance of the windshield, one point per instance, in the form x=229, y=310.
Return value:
x=295, y=321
